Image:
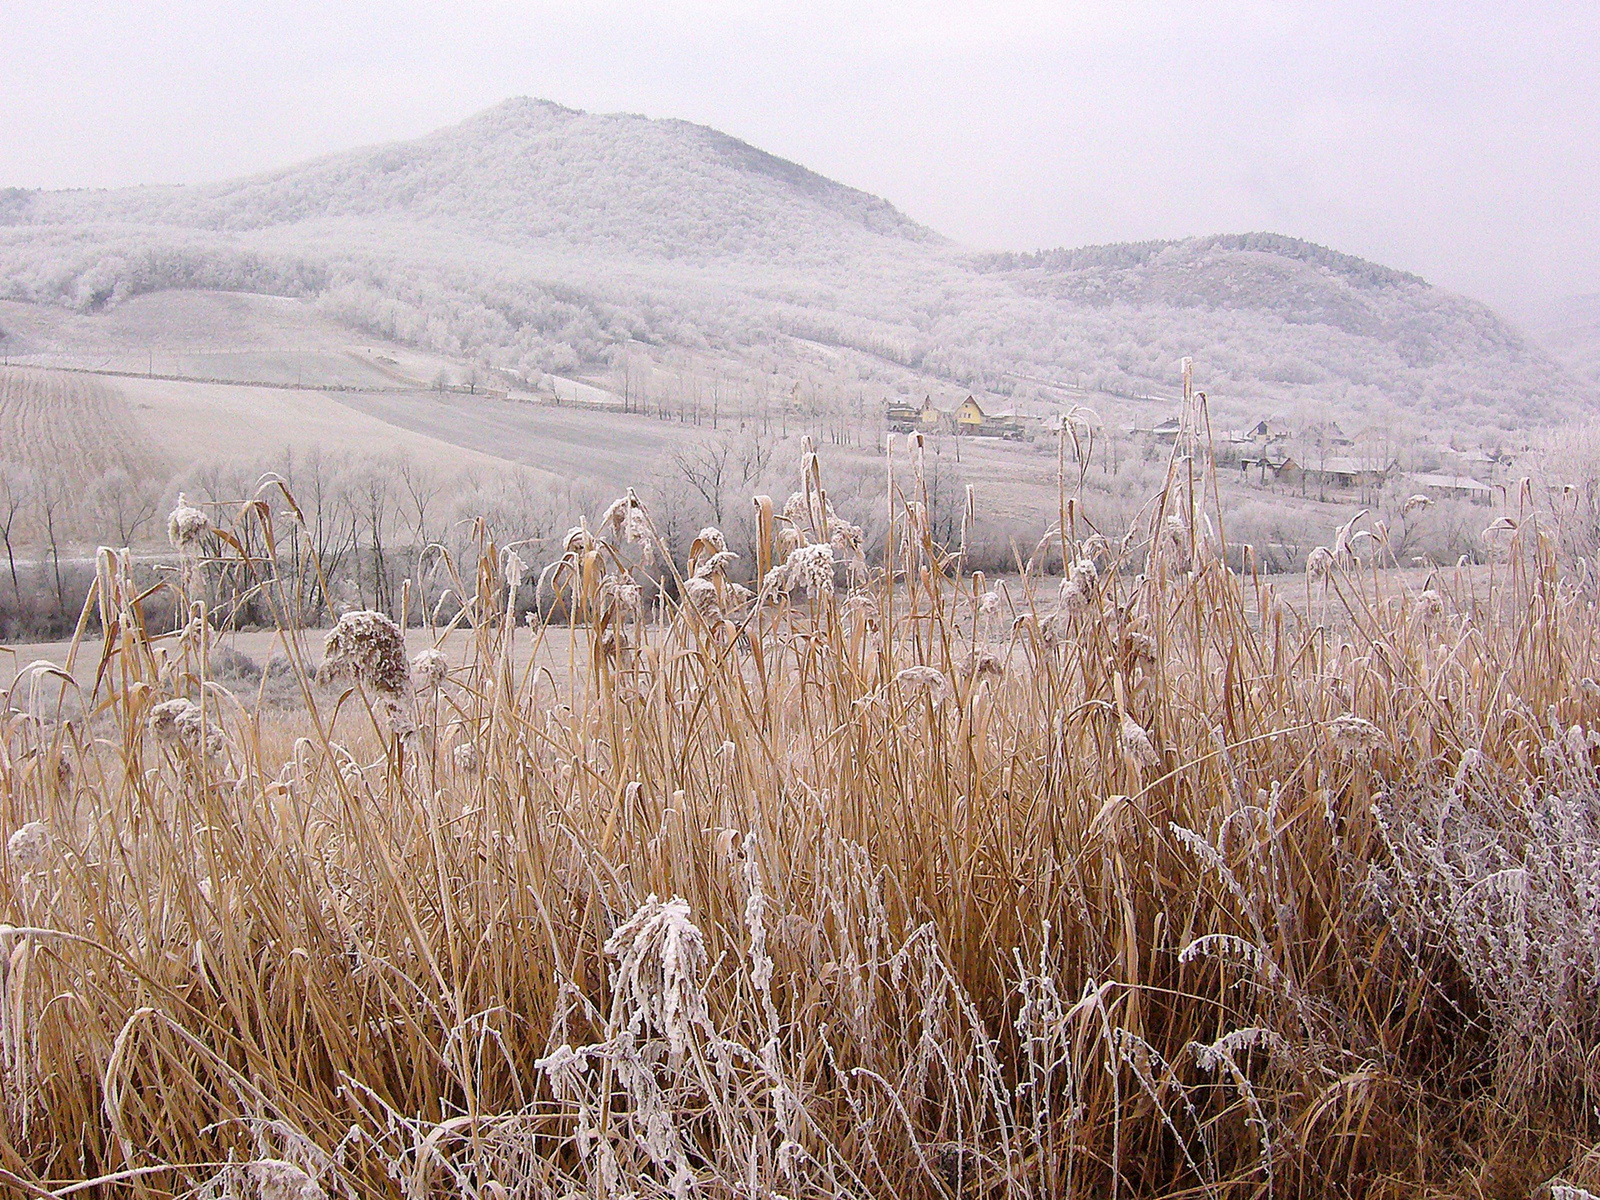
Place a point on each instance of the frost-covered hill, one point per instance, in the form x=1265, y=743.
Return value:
x=1570, y=330
x=539, y=238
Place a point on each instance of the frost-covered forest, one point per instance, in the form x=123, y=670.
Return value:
x=535, y=238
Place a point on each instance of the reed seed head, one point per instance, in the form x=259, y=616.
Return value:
x=28, y=847
x=180, y=722
x=429, y=670
x=924, y=681
x=368, y=647
x=1319, y=564
x=1355, y=737
x=1136, y=743
x=661, y=955
x=186, y=525
x=276, y=1179
x=809, y=567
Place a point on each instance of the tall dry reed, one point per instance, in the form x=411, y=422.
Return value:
x=872, y=879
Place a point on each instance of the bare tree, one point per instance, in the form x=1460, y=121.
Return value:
x=421, y=487
x=53, y=508
x=705, y=467
x=16, y=489
x=331, y=526
x=124, y=504
x=372, y=497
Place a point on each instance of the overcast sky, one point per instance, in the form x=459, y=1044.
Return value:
x=1458, y=140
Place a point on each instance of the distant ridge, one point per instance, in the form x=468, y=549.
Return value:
x=536, y=237
x=1357, y=271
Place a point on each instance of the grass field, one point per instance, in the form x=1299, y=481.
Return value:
x=882, y=881
x=70, y=429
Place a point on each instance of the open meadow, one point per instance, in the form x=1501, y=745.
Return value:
x=838, y=868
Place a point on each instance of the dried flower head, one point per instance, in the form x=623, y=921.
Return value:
x=701, y=595
x=429, y=670
x=989, y=603
x=660, y=957
x=181, y=723
x=1319, y=564
x=466, y=758
x=980, y=663
x=1079, y=588
x=809, y=567
x=578, y=540
x=513, y=569
x=1141, y=647
x=1355, y=737
x=1136, y=743
x=715, y=565
x=28, y=846
x=616, y=513
x=636, y=532
x=924, y=681
x=620, y=599
x=1430, y=605
x=846, y=540
x=795, y=509
x=862, y=603
x=368, y=647
x=186, y=525
x=276, y=1179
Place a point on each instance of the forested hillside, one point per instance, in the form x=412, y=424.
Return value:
x=538, y=238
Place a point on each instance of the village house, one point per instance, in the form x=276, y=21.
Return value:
x=1452, y=487
x=1266, y=466
x=970, y=419
x=1327, y=433
x=1483, y=465
x=901, y=416
x=1264, y=432
x=1335, y=473
x=934, y=420
x=1164, y=434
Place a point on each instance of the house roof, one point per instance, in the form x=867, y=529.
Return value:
x=1450, y=483
x=1340, y=465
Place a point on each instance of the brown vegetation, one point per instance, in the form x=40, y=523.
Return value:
x=922, y=888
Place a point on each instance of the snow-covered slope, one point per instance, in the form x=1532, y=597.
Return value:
x=541, y=238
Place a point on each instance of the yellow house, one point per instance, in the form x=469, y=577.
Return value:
x=969, y=417
x=932, y=419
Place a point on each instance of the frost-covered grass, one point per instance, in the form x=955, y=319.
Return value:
x=875, y=880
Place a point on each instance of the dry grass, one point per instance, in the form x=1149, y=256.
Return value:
x=915, y=890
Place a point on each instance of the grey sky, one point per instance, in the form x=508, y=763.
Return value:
x=1458, y=140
